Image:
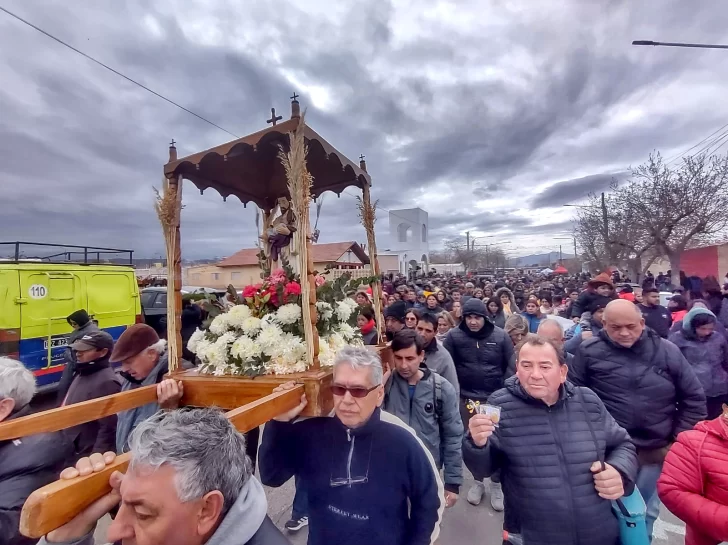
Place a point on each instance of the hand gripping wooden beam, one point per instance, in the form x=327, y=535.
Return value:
x=56, y=504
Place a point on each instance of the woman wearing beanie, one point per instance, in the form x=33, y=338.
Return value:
x=707, y=353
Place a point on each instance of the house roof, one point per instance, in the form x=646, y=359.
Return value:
x=322, y=253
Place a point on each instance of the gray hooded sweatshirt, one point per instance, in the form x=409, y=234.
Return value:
x=238, y=527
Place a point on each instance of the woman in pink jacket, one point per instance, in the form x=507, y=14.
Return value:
x=694, y=481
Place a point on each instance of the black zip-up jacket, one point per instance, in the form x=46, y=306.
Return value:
x=376, y=484
x=483, y=359
x=658, y=318
x=25, y=465
x=650, y=389
x=545, y=455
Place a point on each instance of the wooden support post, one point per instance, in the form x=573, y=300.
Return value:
x=56, y=504
x=174, y=330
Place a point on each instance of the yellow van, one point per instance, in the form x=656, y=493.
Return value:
x=37, y=296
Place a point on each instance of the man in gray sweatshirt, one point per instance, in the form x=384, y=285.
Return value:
x=189, y=482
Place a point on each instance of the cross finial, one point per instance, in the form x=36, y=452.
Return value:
x=361, y=157
x=295, y=96
x=172, y=143
x=273, y=118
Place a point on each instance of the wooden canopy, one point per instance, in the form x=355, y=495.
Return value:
x=249, y=167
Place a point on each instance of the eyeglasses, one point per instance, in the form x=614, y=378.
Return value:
x=355, y=392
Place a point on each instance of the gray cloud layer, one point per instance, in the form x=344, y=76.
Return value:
x=518, y=107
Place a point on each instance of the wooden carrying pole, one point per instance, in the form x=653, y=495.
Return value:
x=56, y=504
x=299, y=187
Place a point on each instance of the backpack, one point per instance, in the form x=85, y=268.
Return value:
x=436, y=395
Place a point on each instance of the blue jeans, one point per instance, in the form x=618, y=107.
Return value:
x=647, y=484
x=300, y=501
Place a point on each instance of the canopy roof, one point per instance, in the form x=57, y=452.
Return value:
x=249, y=167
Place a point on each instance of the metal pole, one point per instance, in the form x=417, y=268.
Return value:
x=467, y=240
x=17, y=251
x=678, y=44
x=560, y=256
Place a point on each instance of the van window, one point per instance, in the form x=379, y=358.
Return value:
x=148, y=298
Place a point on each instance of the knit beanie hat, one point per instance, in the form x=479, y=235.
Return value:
x=80, y=318
x=396, y=310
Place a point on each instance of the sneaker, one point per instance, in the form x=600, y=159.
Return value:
x=475, y=494
x=294, y=525
x=496, y=497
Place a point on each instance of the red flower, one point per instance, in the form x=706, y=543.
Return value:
x=292, y=288
x=250, y=291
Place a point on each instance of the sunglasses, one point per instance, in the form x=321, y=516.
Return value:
x=355, y=392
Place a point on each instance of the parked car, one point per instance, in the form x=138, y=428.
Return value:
x=154, y=304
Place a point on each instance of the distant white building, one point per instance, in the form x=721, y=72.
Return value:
x=409, y=233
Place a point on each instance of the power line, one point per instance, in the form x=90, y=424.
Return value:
x=107, y=67
x=696, y=145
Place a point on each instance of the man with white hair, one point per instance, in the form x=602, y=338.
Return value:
x=647, y=386
x=143, y=358
x=27, y=463
x=189, y=482
x=368, y=478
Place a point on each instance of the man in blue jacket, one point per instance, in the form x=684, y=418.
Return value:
x=647, y=386
x=368, y=478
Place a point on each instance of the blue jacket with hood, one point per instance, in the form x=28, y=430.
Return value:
x=708, y=357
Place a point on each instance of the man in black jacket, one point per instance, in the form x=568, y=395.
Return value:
x=93, y=377
x=562, y=455
x=189, y=482
x=647, y=386
x=655, y=315
x=483, y=357
x=27, y=463
x=82, y=324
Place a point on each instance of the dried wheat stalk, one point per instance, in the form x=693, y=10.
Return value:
x=299, y=186
x=368, y=217
x=167, y=205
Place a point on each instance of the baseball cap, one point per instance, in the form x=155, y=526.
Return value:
x=92, y=340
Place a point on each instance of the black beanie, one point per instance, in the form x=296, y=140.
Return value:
x=396, y=310
x=80, y=317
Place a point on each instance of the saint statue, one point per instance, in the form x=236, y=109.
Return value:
x=279, y=233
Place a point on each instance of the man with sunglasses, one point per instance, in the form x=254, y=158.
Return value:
x=368, y=478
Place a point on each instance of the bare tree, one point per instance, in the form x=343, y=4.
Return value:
x=680, y=207
x=460, y=252
x=441, y=256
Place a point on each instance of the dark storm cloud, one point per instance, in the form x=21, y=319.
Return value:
x=484, y=110
x=570, y=191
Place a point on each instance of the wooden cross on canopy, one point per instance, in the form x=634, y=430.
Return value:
x=273, y=118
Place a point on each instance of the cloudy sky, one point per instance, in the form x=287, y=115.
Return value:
x=488, y=114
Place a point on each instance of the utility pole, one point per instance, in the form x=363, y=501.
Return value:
x=467, y=240
x=560, y=255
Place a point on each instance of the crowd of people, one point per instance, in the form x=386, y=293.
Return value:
x=560, y=395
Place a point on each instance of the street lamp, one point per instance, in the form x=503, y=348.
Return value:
x=677, y=44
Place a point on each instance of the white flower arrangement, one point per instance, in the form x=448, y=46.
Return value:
x=240, y=343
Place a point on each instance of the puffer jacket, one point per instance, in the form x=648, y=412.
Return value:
x=441, y=430
x=708, y=357
x=574, y=339
x=483, y=359
x=545, y=455
x=649, y=389
x=25, y=465
x=694, y=482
